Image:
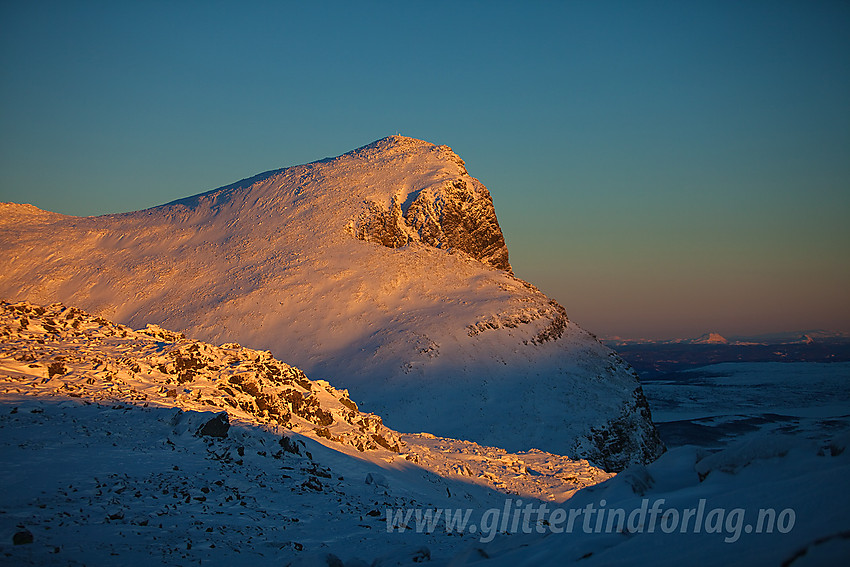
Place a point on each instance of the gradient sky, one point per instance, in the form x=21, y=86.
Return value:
x=663, y=169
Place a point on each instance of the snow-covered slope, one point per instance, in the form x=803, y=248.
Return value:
x=114, y=451
x=119, y=445
x=755, y=474
x=383, y=271
x=771, y=500
x=57, y=351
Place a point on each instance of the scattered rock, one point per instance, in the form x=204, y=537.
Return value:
x=377, y=480
x=289, y=445
x=55, y=368
x=22, y=537
x=216, y=427
x=312, y=483
x=116, y=515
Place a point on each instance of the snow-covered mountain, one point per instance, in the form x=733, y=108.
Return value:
x=794, y=337
x=383, y=271
x=784, y=338
x=709, y=339
x=704, y=339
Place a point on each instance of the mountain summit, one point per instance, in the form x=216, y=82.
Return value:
x=456, y=213
x=383, y=270
x=709, y=339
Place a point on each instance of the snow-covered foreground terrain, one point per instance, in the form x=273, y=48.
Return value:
x=776, y=500
x=758, y=459
x=115, y=449
x=112, y=452
x=383, y=271
x=118, y=484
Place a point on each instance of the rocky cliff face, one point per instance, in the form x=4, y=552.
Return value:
x=457, y=215
x=382, y=270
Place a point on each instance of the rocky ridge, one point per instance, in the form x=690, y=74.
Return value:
x=58, y=351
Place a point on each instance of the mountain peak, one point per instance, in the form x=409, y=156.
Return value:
x=384, y=269
x=426, y=196
x=391, y=145
x=397, y=140
x=398, y=145
x=13, y=213
x=710, y=339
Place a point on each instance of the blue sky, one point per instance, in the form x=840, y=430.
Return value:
x=660, y=168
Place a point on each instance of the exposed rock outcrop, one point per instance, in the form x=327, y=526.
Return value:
x=459, y=215
x=612, y=444
x=250, y=384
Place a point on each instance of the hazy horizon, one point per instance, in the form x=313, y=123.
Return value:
x=662, y=170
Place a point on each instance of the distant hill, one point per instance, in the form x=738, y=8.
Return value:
x=651, y=357
x=710, y=339
x=783, y=338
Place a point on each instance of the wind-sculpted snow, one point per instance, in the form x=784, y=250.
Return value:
x=383, y=271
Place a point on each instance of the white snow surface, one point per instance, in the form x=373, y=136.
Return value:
x=102, y=463
x=813, y=389
x=743, y=438
x=430, y=338
x=710, y=405
x=800, y=481
x=101, y=459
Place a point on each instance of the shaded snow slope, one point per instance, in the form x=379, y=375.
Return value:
x=743, y=439
x=114, y=451
x=771, y=500
x=382, y=270
x=121, y=447
x=57, y=351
